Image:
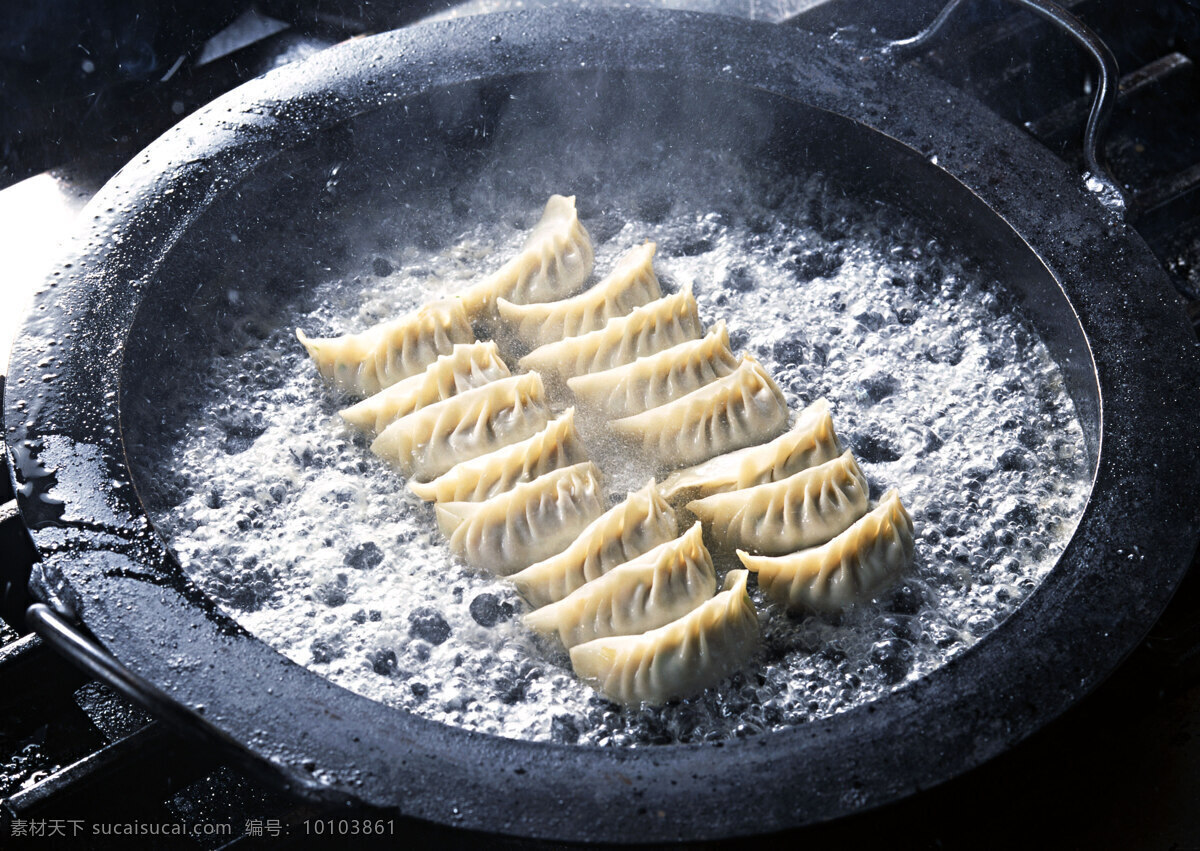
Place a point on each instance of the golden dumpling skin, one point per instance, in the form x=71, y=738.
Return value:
x=643, y=331
x=810, y=442
x=856, y=565
x=530, y=522
x=658, y=378
x=647, y=592
x=638, y=524
x=678, y=660
x=631, y=284
x=363, y=364
x=554, y=262
x=428, y=442
x=802, y=510
x=743, y=408
x=468, y=366
x=476, y=479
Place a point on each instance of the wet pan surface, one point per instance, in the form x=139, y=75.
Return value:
x=281, y=514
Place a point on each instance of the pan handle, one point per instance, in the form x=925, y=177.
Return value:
x=1099, y=178
x=19, y=556
x=85, y=653
x=19, y=553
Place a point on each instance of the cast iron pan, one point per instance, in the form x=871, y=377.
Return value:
x=263, y=153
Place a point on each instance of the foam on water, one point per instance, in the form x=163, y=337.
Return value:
x=936, y=382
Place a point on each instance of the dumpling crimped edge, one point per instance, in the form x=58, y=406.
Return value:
x=858, y=563
x=662, y=664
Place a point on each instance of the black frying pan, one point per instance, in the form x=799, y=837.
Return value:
x=258, y=161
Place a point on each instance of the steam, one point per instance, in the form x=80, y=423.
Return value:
x=282, y=515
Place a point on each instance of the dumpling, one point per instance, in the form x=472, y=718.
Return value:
x=650, y=591
x=677, y=660
x=631, y=284
x=657, y=379
x=557, y=445
x=650, y=328
x=428, y=442
x=855, y=565
x=364, y=363
x=811, y=441
x=743, y=408
x=466, y=367
x=526, y=524
x=803, y=510
x=554, y=262
x=640, y=523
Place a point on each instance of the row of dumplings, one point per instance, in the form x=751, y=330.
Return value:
x=633, y=600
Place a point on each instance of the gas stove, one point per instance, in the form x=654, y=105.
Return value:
x=1121, y=769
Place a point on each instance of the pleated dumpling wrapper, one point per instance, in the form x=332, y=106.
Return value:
x=430, y=441
x=803, y=510
x=655, y=326
x=638, y=524
x=856, y=565
x=557, y=445
x=658, y=378
x=743, y=408
x=468, y=366
x=811, y=441
x=554, y=262
x=678, y=660
x=631, y=284
x=363, y=364
x=526, y=524
x=657, y=587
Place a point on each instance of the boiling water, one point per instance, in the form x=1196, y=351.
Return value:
x=936, y=382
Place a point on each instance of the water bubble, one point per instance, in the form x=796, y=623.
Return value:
x=285, y=518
